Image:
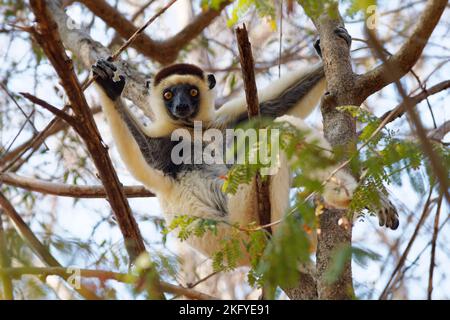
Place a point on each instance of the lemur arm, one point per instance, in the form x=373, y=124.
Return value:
x=141, y=154
x=296, y=93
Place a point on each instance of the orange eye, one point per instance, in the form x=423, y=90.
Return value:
x=194, y=92
x=168, y=95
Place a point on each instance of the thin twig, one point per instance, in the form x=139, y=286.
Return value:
x=433, y=248
x=402, y=259
x=133, y=37
x=415, y=123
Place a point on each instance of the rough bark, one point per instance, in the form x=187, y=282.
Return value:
x=339, y=130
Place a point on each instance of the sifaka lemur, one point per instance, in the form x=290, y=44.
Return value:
x=182, y=94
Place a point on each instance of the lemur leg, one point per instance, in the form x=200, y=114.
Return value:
x=386, y=212
x=338, y=191
x=340, y=185
x=135, y=148
x=340, y=32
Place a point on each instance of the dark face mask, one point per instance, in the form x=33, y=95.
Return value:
x=182, y=101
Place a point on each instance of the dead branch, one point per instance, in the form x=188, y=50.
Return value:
x=401, y=261
x=251, y=95
x=433, y=248
x=55, y=125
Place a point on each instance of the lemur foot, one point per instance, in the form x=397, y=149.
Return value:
x=340, y=32
x=387, y=213
x=105, y=75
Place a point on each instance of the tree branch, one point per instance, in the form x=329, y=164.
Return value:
x=89, y=51
x=407, y=56
x=340, y=131
x=48, y=37
x=435, y=159
x=55, y=125
x=165, y=52
x=65, y=190
x=400, y=109
x=251, y=95
x=34, y=243
x=103, y=276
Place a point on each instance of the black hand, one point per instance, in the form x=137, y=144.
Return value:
x=104, y=71
x=343, y=33
x=340, y=32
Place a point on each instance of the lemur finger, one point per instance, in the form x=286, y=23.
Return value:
x=109, y=64
x=107, y=67
x=317, y=47
x=381, y=217
x=99, y=72
x=343, y=33
x=392, y=221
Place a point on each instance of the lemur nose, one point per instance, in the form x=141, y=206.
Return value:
x=182, y=106
x=182, y=109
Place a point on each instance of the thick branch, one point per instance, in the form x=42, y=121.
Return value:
x=440, y=132
x=164, y=52
x=48, y=37
x=407, y=56
x=340, y=131
x=65, y=190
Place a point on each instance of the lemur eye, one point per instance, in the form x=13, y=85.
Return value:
x=168, y=95
x=194, y=92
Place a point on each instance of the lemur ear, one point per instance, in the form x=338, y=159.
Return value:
x=211, y=81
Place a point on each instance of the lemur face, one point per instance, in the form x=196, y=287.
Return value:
x=182, y=101
x=182, y=93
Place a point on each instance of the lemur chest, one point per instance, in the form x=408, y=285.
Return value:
x=199, y=193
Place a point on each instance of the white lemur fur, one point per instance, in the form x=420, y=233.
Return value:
x=197, y=189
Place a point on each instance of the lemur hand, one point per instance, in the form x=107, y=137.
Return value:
x=387, y=213
x=340, y=32
x=104, y=75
